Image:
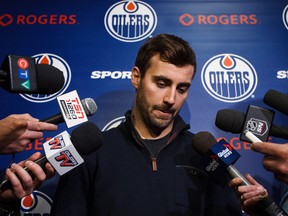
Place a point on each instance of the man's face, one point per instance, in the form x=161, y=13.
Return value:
x=162, y=92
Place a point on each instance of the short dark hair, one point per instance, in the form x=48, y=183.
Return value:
x=172, y=49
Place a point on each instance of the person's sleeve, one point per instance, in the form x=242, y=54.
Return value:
x=71, y=197
x=223, y=199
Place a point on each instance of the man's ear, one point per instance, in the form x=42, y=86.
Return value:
x=135, y=77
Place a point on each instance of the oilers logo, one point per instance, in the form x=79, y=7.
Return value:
x=229, y=78
x=285, y=17
x=114, y=123
x=36, y=203
x=130, y=21
x=58, y=62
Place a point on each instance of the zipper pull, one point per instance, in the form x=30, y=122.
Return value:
x=154, y=164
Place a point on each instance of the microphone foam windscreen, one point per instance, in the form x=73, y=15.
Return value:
x=203, y=141
x=49, y=79
x=277, y=100
x=89, y=106
x=87, y=138
x=230, y=120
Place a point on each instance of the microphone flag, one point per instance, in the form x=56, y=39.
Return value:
x=61, y=153
x=72, y=109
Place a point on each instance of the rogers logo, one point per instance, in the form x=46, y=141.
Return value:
x=130, y=21
x=224, y=19
x=229, y=78
x=285, y=16
x=32, y=19
x=6, y=19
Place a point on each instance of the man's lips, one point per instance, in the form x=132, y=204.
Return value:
x=164, y=113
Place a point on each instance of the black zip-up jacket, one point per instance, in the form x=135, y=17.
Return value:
x=123, y=179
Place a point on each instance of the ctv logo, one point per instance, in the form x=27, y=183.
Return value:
x=229, y=78
x=58, y=62
x=130, y=21
x=23, y=72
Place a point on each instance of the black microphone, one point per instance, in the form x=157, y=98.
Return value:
x=277, y=100
x=20, y=74
x=86, y=138
x=221, y=159
x=89, y=107
x=230, y=120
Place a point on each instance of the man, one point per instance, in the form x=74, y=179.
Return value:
x=147, y=166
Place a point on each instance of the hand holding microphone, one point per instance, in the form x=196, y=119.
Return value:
x=26, y=176
x=219, y=157
x=275, y=155
x=21, y=182
x=85, y=139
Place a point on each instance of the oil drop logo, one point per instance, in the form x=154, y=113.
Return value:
x=229, y=78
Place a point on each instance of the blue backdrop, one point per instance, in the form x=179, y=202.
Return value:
x=95, y=43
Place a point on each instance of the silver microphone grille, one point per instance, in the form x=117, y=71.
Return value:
x=89, y=106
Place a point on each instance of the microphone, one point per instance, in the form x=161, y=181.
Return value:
x=89, y=107
x=20, y=74
x=220, y=157
x=230, y=120
x=86, y=138
x=277, y=100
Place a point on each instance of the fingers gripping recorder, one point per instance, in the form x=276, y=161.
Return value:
x=219, y=157
x=63, y=151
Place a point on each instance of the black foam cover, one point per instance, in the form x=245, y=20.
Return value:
x=49, y=78
x=87, y=138
x=230, y=120
x=277, y=100
x=203, y=141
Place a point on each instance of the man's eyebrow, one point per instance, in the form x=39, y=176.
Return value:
x=186, y=84
x=162, y=78
x=169, y=81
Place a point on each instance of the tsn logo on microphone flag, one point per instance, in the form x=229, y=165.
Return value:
x=72, y=109
x=219, y=157
x=229, y=78
x=130, y=21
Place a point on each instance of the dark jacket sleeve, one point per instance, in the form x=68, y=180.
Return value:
x=223, y=199
x=71, y=197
